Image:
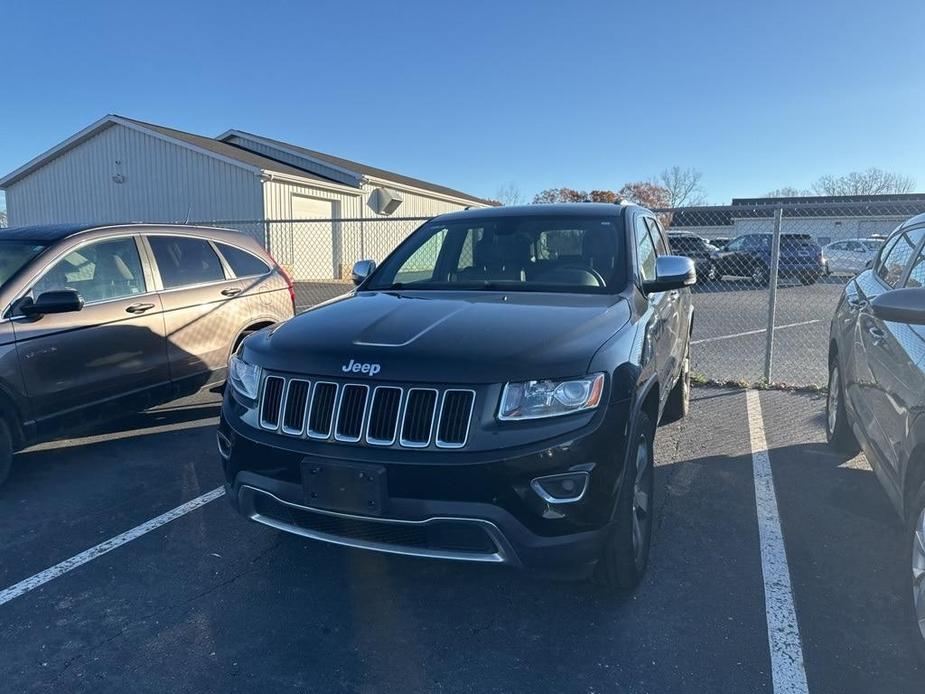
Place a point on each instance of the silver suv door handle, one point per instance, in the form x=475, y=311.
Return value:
x=877, y=334
x=857, y=303
x=231, y=291
x=139, y=308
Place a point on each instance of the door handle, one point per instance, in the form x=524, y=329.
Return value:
x=231, y=291
x=877, y=334
x=857, y=303
x=139, y=308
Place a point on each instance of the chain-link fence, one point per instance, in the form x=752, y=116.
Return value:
x=748, y=327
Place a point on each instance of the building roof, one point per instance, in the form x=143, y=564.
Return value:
x=815, y=206
x=357, y=167
x=219, y=148
x=230, y=151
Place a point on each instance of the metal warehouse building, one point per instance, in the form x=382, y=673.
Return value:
x=120, y=170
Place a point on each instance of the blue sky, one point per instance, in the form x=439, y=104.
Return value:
x=477, y=94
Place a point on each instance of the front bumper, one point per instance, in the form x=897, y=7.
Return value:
x=448, y=505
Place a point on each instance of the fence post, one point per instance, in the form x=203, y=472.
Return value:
x=772, y=294
x=266, y=236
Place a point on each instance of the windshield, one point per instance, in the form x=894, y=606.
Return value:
x=14, y=255
x=530, y=253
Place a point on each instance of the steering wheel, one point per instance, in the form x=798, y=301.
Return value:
x=601, y=282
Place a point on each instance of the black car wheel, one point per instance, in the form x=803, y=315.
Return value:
x=626, y=552
x=679, y=399
x=837, y=427
x=760, y=274
x=915, y=541
x=6, y=451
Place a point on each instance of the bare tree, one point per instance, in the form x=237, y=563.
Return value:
x=683, y=186
x=509, y=194
x=873, y=181
x=788, y=192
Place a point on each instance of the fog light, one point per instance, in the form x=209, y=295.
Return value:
x=566, y=488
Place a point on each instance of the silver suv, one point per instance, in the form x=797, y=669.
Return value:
x=98, y=320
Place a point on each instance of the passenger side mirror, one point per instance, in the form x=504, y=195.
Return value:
x=671, y=272
x=901, y=306
x=362, y=269
x=57, y=301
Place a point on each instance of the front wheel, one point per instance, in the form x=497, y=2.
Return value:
x=626, y=552
x=915, y=540
x=760, y=275
x=837, y=428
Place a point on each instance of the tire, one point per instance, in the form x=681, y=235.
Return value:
x=623, y=560
x=6, y=451
x=679, y=399
x=915, y=550
x=760, y=274
x=837, y=427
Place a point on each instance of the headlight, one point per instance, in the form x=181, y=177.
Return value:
x=244, y=377
x=535, y=399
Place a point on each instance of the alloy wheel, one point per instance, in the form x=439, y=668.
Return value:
x=641, y=500
x=832, y=401
x=918, y=571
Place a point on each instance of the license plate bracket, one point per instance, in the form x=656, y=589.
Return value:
x=358, y=488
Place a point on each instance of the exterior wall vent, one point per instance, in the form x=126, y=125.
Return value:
x=386, y=201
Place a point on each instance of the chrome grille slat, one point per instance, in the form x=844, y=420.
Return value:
x=271, y=404
x=382, y=415
x=454, y=421
x=351, y=409
x=321, y=411
x=418, y=419
x=294, y=409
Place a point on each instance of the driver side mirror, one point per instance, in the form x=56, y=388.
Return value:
x=57, y=301
x=361, y=270
x=671, y=272
x=901, y=306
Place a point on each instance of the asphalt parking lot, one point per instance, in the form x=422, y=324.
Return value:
x=210, y=602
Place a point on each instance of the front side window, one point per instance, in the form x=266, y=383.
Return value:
x=99, y=271
x=645, y=251
x=14, y=255
x=896, y=256
x=736, y=244
x=518, y=253
x=917, y=274
x=184, y=261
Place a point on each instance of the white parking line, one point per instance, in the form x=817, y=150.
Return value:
x=52, y=573
x=759, y=331
x=788, y=674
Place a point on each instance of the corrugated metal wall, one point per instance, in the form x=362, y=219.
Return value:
x=161, y=182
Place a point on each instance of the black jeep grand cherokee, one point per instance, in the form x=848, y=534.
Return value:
x=489, y=393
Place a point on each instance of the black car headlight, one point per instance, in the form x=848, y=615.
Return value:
x=536, y=399
x=244, y=377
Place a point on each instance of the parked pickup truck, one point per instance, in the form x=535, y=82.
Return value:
x=489, y=393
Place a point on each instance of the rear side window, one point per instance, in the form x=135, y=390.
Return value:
x=895, y=257
x=184, y=261
x=242, y=263
x=917, y=273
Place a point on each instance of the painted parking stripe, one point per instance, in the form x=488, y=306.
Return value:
x=788, y=673
x=99, y=550
x=759, y=331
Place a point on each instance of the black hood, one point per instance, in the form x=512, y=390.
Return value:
x=444, y=337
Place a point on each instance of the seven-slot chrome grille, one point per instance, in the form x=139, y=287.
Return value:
x=379, y=415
